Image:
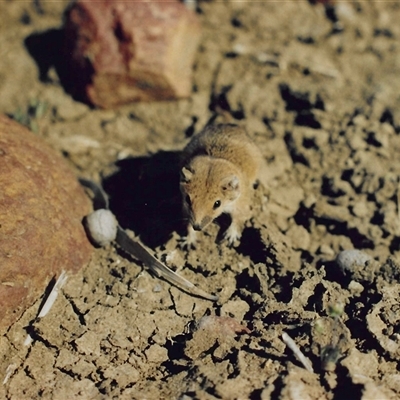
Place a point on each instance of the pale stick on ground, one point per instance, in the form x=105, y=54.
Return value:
x=50, y=301
x=10, y=369
x=297, y=352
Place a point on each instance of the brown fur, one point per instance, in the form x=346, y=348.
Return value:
x=220, y=164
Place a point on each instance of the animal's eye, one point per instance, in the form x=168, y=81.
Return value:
x=188, y=201
x=217, y=204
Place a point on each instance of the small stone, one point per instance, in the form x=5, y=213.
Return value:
x=101, y=226
x=355, y=288
x=348, y=260
x=239, y=49
x=221, y=326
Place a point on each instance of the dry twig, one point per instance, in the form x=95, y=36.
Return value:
x=297, y=352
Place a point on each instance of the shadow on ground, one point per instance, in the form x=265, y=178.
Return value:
x=145, y=197
x=50, y=50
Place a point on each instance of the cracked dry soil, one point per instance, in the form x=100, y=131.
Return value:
x=319, y=91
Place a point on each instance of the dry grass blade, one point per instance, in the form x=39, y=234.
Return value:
x=297, y=352
x=141, y=253
x=49, y=301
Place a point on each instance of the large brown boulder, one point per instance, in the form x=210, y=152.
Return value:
x=123, y=51
x=41, y=208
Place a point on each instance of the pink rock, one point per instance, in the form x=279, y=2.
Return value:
x=225, y=326
x=119, y=52
x=41, y=210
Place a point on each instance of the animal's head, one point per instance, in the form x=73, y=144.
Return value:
x=209, y=187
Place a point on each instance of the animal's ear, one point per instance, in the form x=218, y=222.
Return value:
x=186, y=175
x=230, y=184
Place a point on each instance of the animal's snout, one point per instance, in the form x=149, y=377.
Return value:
x=197, y=227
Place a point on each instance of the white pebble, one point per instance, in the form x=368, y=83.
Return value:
x=348, y=260
x=239, y=49
x=355, y=288
x=102, y=226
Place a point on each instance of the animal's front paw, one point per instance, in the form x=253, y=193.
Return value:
x=189, y=242
x=186, y=244
x=232, y=235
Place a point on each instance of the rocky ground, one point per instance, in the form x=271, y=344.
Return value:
x=318, y=90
